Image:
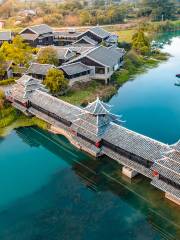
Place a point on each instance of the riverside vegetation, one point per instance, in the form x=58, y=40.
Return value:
x=140, y=56
x=10, y=118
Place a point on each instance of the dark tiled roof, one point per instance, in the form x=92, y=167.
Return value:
x=80, y=48
x=169, y=165
x=176, y=145
x=24, y=86
x=97, y=107
x=168, y=168
x=39, y=29
x=67, y=34
x=95, y=119
x=87, y=39
x=100, y=32
x=5, y=36
x=74, y=68
x=64, y=53
x=106, y=56
x=28, y=36
x=40, y=69
x=103, y=55
x=55, y=105
x=135, y=143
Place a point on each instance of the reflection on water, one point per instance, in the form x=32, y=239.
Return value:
x=50, y=190
x=150, y=103
x=88, y=199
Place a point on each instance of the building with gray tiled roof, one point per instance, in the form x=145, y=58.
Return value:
x=63, y=38
x=97, y=33
x=64, y=54
x=76, y=72
x=38, y=70
x=85, y=40
x=5, y=36
x=38, y=35
x=104, y=60
x=167, y=172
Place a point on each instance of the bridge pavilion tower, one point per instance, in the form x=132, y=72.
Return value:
x=94, y=120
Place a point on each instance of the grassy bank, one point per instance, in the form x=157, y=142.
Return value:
x=22, y=121
x=83, y=93
x=10, y=118
x=150, y=28
x=136, y=64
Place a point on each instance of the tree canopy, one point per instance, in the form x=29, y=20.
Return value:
x=141, y=43
x=55, y=81
x=48, y=55
x=2, y=63
x=1, y=99
x=18, y=51
x=161, y=9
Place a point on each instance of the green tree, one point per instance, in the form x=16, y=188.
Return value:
x=48, y=55
x=2, y=64
x=84, y=17
x=55, y=81
x=141, y=43
x=161, y=9
x=18, y=51
x=1, y=99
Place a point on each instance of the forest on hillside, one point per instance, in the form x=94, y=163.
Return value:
x=86, y=12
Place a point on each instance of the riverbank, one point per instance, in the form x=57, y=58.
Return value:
x=134, y=64
x=11, y=118
x=83, y=93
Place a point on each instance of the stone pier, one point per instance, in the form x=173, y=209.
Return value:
x=130, y=173
x=172, y=198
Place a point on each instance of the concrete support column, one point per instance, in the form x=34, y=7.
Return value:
x=172, y=198
x=106, y=78
x=130, y=173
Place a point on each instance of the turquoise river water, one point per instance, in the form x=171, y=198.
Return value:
x=49, y=190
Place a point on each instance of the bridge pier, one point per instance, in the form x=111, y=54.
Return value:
x=130, y=173
x=172, y=198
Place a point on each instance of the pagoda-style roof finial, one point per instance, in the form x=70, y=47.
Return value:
x=97, y=107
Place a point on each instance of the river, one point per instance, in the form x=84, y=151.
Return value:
x=50, y=190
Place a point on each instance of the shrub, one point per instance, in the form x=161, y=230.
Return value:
x=7, y=81
x=55, y=81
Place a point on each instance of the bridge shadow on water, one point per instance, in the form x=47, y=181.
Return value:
x=89, y=200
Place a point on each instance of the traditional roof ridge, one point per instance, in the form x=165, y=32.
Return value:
x=176, y=145
x=84, y=54
x=97, y=103
x=101, y=29
x=74, y=63
x=166, y=167
x=87, y=39
x=142, y=135
x=100, y=55
x=35, y=31
x=158, y=161
x=26, y=79
x=44, y=64
x=64, y=102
